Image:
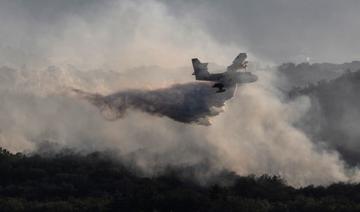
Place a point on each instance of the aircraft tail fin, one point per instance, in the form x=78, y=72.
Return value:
x=200, y=69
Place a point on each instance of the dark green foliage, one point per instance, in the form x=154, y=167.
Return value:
x=95, y=182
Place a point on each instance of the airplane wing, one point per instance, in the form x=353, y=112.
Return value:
x=238, y=63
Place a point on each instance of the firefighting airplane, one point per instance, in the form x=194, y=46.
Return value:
x=227, y=79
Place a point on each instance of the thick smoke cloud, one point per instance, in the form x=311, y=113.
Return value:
x=254, y=135
x=188, y=103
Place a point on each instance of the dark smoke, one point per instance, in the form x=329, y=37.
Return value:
x=187, y=103
x=333, y=118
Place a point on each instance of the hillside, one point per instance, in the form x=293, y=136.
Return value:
x=304, y=73
x=98, y=182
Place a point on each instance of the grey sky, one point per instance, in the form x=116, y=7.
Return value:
x=281, y=30
x=274, y=30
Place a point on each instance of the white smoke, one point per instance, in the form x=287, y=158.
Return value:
x=258, y=136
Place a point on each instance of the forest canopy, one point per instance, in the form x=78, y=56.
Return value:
x=68, y=181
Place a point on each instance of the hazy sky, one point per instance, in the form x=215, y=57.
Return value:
x=273, y=30
x=280, y=30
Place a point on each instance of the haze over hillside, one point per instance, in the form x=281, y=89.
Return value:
x=333, y=119
x=300, y=75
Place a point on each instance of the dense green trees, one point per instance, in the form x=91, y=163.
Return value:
x=96, y=182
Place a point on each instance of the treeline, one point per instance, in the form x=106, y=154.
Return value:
x=97, y=182
x=347, y=80
x=304, y=73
